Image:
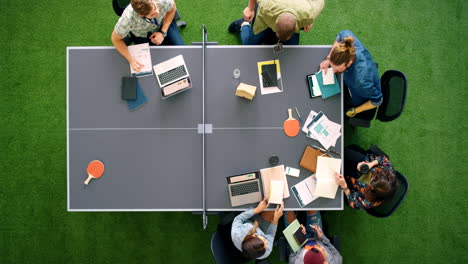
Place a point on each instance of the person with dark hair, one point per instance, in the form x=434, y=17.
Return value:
x=274, y=20
x=254, y=234
x=371, y=179
x=146, y=21
x=361, y=76
x=318, y=250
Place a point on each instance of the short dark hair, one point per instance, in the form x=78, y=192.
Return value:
x=253, y=247
x=285, y=26
x=142, y=7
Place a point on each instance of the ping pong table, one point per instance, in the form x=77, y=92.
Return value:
x=174, y=154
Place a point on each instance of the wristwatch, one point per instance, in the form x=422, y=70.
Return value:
x=163, y=33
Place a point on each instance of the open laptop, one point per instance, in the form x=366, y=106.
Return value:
x=172, y=76
x=244, y=188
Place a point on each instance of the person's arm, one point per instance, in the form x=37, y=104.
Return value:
x=237, y=234
x=325, y=64
x=249, y=10
x=120, y=46
x=353, y=197
x=158, y=37
x=337, y=258
x=364, y=107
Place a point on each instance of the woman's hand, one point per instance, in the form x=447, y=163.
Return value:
x=262, y=205
x=369, y=164
x=339, y=179
x=324, y=65
x=278, y=212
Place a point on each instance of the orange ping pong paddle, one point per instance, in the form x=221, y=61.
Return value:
x=291, y=125
x=95, y=170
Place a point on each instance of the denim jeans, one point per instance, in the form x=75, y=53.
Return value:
x=267, y=36
x=173, y=37
x=313, y=219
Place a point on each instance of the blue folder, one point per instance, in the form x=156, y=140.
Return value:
x=328, y=90
x=140, y=98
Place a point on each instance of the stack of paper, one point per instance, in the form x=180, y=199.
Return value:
x=274, y=173
x=304, y=191
x=141, y=53
x=276, y=192
x=325, y=175
x=320, y=128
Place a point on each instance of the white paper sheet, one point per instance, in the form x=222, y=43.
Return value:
x=326, y=168
x=303, y=191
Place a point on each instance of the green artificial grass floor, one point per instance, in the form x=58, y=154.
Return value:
x=424, y=39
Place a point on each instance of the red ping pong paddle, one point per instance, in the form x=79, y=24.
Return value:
x=291, y=125
x=95, y=170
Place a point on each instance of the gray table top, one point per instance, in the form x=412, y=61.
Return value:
x=154, y=155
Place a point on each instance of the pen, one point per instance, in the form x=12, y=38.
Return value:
x=300, y=119
x=331, y=151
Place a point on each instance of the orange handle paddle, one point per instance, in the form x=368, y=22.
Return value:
x=95, y=170
x=291, y=126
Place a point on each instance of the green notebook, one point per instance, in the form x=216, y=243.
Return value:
x=289, y=235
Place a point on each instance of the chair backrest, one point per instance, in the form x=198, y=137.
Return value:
x=119, y=6
x=388, y=207
x=394, y=86
x=224, y=252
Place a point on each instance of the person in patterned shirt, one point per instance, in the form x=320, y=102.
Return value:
x=146, y=21
x=370, y=189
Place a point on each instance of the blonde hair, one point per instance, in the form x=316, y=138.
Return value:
x=344, y=52
x=254, y=228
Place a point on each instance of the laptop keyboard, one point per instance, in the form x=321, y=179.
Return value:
x=172, y=75
x=244, y=188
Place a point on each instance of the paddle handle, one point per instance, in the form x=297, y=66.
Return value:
x=89, y=179
x=290, y=114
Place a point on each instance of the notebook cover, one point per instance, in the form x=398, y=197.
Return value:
x=309, y=159
x=327, y=90
x=140, y=98
x=289, y=235
x=129, y=88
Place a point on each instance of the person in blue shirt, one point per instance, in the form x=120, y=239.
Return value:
x=253, y=231
x=348, y=55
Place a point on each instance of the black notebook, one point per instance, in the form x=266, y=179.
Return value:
x=129, y=91
x=299, y=236
x=269, y=76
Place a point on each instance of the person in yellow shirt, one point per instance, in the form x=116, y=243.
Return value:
x=267, y=21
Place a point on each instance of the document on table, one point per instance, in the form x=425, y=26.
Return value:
x=304, y=190
x=325, y=175
x=274, y=173
x=323, y=130
x=326, y=131
x=141, y=53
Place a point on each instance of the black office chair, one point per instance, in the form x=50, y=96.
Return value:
x=222, y=247
x=394, y=90
x=388, y=207
x=120, y=5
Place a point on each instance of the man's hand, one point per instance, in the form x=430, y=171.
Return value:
x=136, y=65
x=278, y=212
x=157, y=38
x=351, y=112
x=248, y=14
x=339, y=179
x=317, y=230
x=307, y=28
x=262, y=205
